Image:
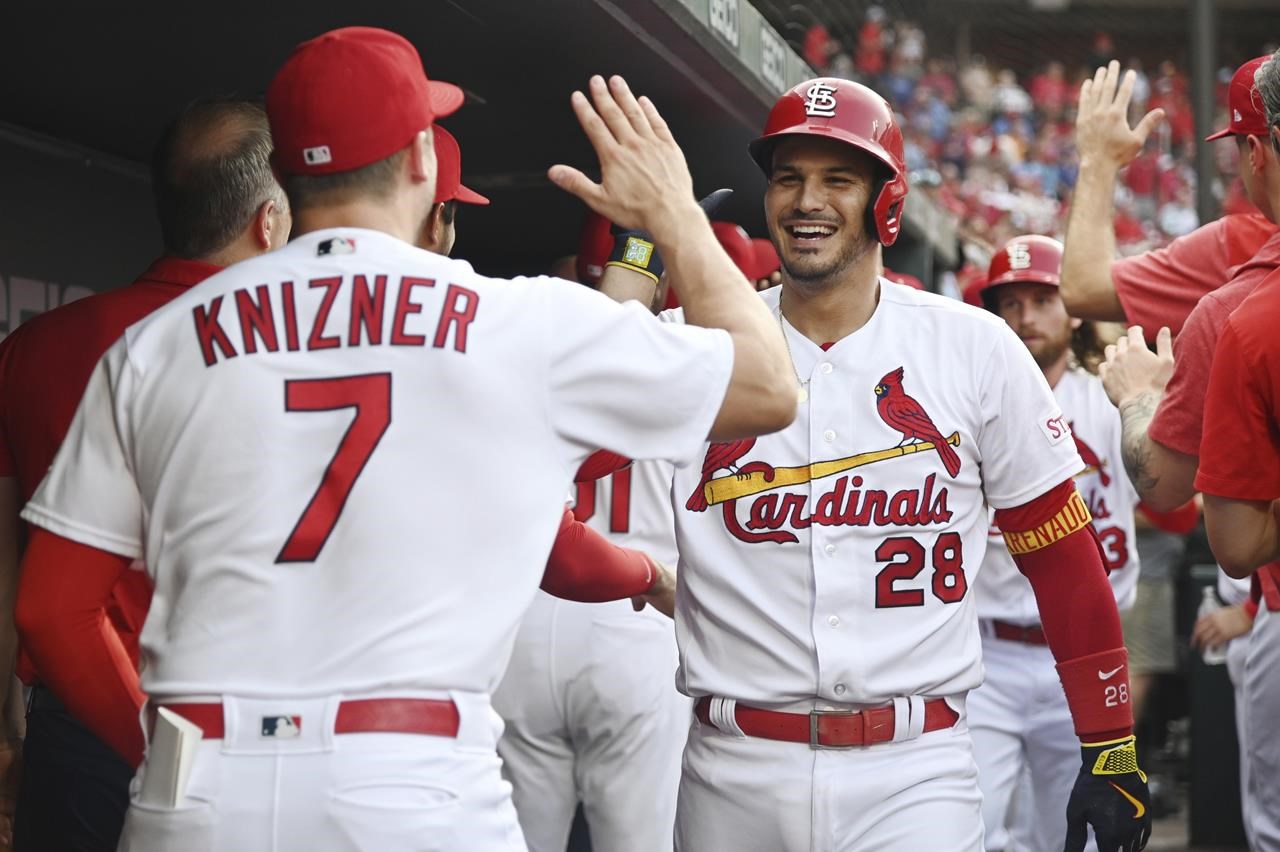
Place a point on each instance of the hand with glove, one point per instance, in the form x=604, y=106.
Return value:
x=1110, y=795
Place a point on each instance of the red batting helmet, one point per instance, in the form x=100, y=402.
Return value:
x=1030, y=259
x=851, y=113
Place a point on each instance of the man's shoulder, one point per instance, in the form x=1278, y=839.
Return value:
x=1254, y=316
x=947, y=316
x=101, y=316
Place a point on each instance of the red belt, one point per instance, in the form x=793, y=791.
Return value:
x=438, y=718
x=829, y=728
x=1033, y=635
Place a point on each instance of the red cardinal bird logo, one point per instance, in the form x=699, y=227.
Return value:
x=909, y=417
x=1092, y=461
x=719, y=456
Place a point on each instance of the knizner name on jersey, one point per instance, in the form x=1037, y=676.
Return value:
x=270, y=318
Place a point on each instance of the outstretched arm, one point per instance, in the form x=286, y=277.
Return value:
x=586, y=566
x=645, y=185
x=1056, y=547
x=1105, y=143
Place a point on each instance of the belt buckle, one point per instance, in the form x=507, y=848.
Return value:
x=815, y=715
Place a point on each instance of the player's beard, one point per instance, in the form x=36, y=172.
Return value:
x=1050, y=349
x=812, y=273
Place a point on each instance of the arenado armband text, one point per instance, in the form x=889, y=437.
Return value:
x=1072, y=517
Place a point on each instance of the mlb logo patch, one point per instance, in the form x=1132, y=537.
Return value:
x=317, y=156
x=281, y=727
x=336, y=245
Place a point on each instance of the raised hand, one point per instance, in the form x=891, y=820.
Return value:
x=1131, y=369
x=1102, y=119
x=644, y=179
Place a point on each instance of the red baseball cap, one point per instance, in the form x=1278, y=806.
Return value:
x=349, y=98
x=1248, y=115
x=449, y=170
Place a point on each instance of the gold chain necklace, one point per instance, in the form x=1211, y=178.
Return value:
x=802, y=385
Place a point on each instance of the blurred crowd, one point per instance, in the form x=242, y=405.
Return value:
x=994, y=146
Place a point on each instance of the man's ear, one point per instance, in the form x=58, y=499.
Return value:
x=1257, y=154
x=422, y=156
x=265, y=225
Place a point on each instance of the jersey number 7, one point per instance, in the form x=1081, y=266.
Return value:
x=370, y=396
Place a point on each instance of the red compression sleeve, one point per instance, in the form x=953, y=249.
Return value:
x=1056, y=547
x=586, y=566
x=62, y=622
x=600, y=464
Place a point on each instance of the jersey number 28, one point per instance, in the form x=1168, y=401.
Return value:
x=370, y=396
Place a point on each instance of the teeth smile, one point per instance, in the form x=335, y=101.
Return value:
x=813, y=230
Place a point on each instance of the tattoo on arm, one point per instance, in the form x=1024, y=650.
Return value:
x=1135, y=417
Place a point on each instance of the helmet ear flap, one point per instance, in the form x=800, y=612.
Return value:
x=873, y=204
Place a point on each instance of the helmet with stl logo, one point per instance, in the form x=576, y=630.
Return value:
x=1029, y=259
x=851, y=113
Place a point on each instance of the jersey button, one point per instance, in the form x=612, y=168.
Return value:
x=826, y=368
x=839, y=690
x=830, y=549
x=833, y=620
x=829, y=435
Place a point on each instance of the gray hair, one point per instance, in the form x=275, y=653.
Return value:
x=210, y=172
x=1267, y=82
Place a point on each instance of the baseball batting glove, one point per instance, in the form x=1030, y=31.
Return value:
x=1110, y=795
x=634, y=250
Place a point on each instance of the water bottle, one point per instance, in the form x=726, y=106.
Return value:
x=1213, y=655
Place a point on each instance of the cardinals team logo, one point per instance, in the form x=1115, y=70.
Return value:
x=895, y=407
x=906, y=415
x=820, y=100
x=1093, y=463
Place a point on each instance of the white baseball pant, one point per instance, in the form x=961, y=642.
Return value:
x=1262, y=707
x=592, y=714
x=750, y=793
x=1020, y=722
x=1237, y=654
x=317, y=791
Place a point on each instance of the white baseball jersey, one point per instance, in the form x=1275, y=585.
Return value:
x=295, y=446
x=632, y=508
x=1003, y=592
x=834, y=559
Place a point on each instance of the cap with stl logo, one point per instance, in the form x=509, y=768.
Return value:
x=449, y=171
x=1248, y=115
x=349, y=98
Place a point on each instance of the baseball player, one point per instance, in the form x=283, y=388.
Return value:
x=1156, y=288
x=1236, y=475
x=1161, y=396
x=75, y=788
x=579, y=726
x=825, y=622
x=1019, y=716
x=285, y=447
